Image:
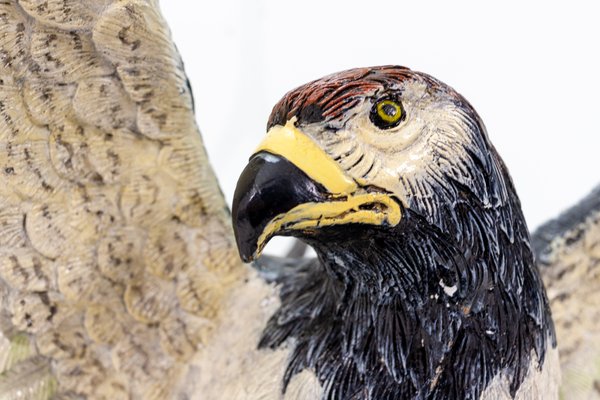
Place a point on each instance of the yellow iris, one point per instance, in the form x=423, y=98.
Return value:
x=389, y=111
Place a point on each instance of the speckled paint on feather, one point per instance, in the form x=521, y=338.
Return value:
x=115, y=246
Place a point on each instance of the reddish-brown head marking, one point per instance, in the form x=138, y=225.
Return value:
x=330, y=97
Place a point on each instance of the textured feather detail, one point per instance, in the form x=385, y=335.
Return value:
x=14, y=350
x=64, y=14
x=67, y=56
x=30, y=379
x=568, y=250
x=115, y=246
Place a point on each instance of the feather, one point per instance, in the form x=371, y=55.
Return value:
x=115, y=248
x=30, y=379
x=568, y=251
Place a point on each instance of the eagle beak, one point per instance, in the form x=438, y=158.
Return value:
x=291, y=186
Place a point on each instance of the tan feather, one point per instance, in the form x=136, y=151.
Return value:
x=116, y=252
x=570, y=266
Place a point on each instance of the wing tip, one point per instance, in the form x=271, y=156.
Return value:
x=569, y=225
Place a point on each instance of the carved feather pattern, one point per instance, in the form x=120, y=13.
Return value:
x=568, y=250
x=115, y=244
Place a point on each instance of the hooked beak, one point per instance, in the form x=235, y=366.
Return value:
x=291, y=186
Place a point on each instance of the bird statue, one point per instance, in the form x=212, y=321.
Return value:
x=425, y=285
x=119, y=273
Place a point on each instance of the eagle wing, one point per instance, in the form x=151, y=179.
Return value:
x=115, y=242
x=568, y=251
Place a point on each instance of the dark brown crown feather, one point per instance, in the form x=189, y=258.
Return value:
x=330, y=97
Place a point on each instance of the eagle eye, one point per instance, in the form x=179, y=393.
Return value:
x=387, y=113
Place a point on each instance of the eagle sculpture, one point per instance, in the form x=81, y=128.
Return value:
x=119, y=273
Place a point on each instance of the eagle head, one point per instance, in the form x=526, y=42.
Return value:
x=360, y=148
x=425, y=285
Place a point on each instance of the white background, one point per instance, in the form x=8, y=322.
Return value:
x=530, y=68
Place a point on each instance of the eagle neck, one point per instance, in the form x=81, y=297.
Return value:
x=413, y=312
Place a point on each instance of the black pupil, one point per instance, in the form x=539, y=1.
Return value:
x=389, y=110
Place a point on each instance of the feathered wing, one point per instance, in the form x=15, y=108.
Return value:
x=115, y=244
x=568, y=251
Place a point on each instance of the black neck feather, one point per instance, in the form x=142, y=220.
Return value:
x=416, y=311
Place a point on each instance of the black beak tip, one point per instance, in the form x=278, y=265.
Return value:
x=246, y=249
x=246, y=256
x=269, y=185
x=244, y=230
